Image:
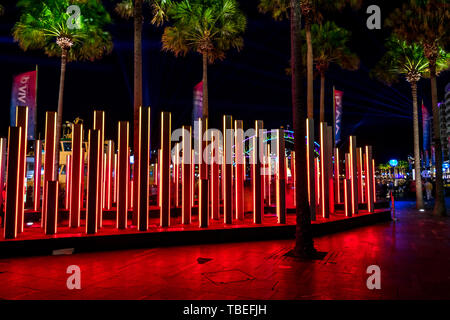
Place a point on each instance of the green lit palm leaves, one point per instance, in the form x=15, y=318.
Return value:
x=209, y=27
x=43, y=25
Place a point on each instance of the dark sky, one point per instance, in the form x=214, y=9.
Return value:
x=251, y=84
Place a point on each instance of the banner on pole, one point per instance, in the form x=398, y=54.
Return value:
x=426, y=127
x=338, y=115
x=24, y=94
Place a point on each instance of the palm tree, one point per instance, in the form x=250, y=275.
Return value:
x=280, y=9
x=330, y=46
x=209, y=27
x=2, y=10
x=43, y=26
x=426, y=22
x=408, y=61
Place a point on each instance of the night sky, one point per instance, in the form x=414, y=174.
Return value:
x=251, y=84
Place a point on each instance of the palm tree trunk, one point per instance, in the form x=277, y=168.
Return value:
x=309, y=71
x=60, y=108
x=322, y=97
x=205, y=87
x=137, y=101
x=439, y=204
x=418, y=174
x=304, y=244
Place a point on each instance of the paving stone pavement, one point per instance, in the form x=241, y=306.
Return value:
x=413, y=254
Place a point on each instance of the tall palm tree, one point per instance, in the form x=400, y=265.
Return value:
x=43, y=26
x=408, y=60
x=330, y=46
x=209, y=27
x=280, y=9
x=426, y=22
x=315, y=11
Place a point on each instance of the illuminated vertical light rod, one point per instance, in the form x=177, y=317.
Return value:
x=347, y=198
x=353, y=174
x=369, y=178
x=77, y=173
x=49, y=156
x=68, y=179
x=114, y=189
x=330, y=167
x=215, y=185
x=269, y=176
x=12, y=185
x=281, y=178
x=203, y=194
x=294, y=175
x=317, y=182
x=337, y=182
x=51, y=207
x=227, y=169
x=347, y=184
x=165, y=169
x=186, y=205
x=374, y=182
x=99, y=124
x=258, y=201
x=193, y=178
x=240, y=173
x=94, y=196
x=176, y=174
x=3, y=155
x=324, y=197
x=109, y=174
x=143, y=169
x=159, y=178
x=37, y=174
x=360, y=166
x=22, y=121
x=122, y=174
x=310, y=170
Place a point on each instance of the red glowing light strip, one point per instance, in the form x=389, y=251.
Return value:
x=373, y=180
x=99, y=124
x=337, y=170
x=22, y=121
x=12, y=185
x=240, y=167
x=37, y=173
x=68, y=181
x=51, y=207
x=317, y=177
x=368, y=182
x=77, y=175
x=323, y=202
x=227, y=173
x=165, y=168
x=93, y=185
x=186, y=209
x=348, y=211
x=50, y=153
x=122, y=175
x=351, y=169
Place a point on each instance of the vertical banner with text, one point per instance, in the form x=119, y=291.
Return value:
x=24, y=94
x=337, y=96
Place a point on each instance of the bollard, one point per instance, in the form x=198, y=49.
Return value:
x=186, y=191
